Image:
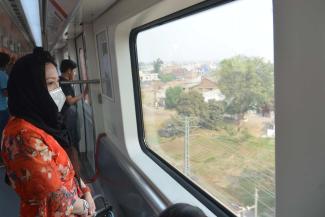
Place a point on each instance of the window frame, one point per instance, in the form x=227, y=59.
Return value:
x=205, y=198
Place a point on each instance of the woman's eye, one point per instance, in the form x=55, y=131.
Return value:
x=52, y=84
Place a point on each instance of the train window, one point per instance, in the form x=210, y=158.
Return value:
x=105, y=65
x=207, y=101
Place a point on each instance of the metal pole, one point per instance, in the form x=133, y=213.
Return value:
x=256, y=201
x=186, y=147
x=94, y=81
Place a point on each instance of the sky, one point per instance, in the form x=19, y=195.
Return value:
x=243, y=27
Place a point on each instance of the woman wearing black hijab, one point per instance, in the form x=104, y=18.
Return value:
x=34, y=140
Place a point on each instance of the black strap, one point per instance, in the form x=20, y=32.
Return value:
x=7, y=181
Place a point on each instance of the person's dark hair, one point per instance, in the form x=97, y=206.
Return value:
x=4, y=59
x=182, y=210
x=66, y=65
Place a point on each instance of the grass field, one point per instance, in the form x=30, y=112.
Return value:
x=227, y=163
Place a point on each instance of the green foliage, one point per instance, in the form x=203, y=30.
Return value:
x=230, y=130
x=214, y=116
x=192, y=104
x=157, y=65
x=176, y=126
x=172, y=96
x=172, y=127
x=166, y=77
x=247, y=84
x=189, y=104
x=209, y=115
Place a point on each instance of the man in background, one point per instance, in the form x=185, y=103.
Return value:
x=69, y=110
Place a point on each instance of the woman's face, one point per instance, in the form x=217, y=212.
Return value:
x=51, y=77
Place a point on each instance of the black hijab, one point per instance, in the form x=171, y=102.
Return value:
x=29, y=99
x=182, y=210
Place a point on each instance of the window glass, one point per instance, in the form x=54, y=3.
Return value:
x=207, y=92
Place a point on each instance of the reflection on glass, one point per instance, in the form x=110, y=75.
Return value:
x=105, y=65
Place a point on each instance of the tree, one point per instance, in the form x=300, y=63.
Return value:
x=166, y=77
x=172, y=127
x=206, y=115
x=214, y=116
x=191, y=104
x=141, y=65
x=172, y=96
x=247, y=84
x=157, y=65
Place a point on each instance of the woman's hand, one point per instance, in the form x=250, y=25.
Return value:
x=92, y=206
x=81, y=207
x=87, y=196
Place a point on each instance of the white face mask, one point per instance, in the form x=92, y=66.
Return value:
x=58, y=97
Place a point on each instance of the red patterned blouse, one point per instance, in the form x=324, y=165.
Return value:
x=39, y=171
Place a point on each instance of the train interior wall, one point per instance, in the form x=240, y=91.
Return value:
x=135, y=185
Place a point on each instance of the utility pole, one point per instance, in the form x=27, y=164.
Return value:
x=256, y=201
x=155, y=90
x=186, y=146
x=245, y=210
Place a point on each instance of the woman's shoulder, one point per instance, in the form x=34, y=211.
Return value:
x=21, y=137
x=19, y=126
x=29, y=134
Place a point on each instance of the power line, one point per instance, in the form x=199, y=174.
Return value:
x=241, y=156
x=256, y=182
x=186, y=131
x=236, y=151
x=259, y=201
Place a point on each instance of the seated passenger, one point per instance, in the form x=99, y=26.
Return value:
x=4, y=114
x=32, y=149
x=182, y=210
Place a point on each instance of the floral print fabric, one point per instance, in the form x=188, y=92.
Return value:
x=39, y=171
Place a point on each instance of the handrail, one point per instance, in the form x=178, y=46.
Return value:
x=93, y=81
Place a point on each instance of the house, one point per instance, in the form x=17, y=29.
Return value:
x=202, y=84
x=161, y=97
x=213, y=95
x=179, y=73
x=148, y=76
x=205, y=85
